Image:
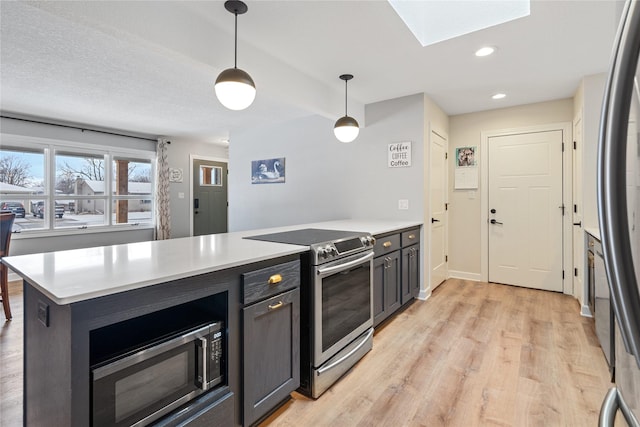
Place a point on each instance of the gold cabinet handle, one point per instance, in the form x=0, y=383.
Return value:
x=276, y=305
x=387, y=244
x=276, y=278
x=412, y=236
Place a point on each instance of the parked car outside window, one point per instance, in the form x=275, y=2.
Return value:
x=39, y=210
x=15, y=207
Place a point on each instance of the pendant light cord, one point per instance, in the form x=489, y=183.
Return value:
x=345, y=97
x=235, y=54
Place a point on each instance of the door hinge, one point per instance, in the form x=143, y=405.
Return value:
x=575, y=208
x=563, y=147
x=446, y=258
x=446, y=206
x=446, y=155
x=575, y=145
x=563, y=274
x=575, y=272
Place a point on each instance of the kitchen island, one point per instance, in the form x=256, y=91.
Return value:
x=77, y=300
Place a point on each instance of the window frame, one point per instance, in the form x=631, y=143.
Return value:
x=53, y=147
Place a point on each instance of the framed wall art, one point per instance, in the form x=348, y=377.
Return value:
x=270, y=171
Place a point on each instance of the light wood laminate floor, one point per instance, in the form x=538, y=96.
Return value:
x=473, y=354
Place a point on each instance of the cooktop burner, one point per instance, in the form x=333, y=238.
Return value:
x=306, y=236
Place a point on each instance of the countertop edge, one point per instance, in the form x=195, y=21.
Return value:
x=62, y=288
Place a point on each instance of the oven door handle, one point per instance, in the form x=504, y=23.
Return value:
x=348, y=355
x=345, y=266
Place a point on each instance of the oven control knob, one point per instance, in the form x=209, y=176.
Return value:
x=322, y=253
x=371, y=239
x=367, y=240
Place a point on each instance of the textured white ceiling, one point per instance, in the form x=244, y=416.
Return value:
x=150, y=66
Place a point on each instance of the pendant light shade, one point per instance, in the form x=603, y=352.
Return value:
x=346, y=128
x=234, y=87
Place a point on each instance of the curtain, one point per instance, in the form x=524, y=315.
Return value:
x=162, y=201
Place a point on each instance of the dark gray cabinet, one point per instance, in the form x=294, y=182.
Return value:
x=396, y=272
x=260, y=300
x=410, y=272
x=386, y=286
x=271, y=339
x=410, y=241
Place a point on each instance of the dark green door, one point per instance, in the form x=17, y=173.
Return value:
x=209, y=197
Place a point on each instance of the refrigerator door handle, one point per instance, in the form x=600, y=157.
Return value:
x=609, y=408
x=612, y=205
x=612, y=402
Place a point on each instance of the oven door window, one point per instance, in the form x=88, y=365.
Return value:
x=346, y=303
x=137, y=391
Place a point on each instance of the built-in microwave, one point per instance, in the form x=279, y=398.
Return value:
x=144, y=384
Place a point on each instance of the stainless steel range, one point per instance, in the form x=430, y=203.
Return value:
x=337, y=303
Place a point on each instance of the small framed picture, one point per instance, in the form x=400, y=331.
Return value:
x=465, y=157
x=175, y=175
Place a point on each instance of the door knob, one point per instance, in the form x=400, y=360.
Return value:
x=493, y=221
x=434, y=220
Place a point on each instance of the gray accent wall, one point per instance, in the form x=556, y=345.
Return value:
x=375, y=187
x=319, y=174
x=326, y=179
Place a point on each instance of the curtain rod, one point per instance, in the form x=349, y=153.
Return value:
x=79, y=128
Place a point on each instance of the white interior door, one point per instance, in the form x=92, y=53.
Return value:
x=525, y=214
x=438, y=188
x=578, y=234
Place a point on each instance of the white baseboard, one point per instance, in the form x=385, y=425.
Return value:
x=585, y=311
x=454, y=274
x=424, y=294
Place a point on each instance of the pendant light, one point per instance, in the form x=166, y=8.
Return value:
x=346, y=128
x=234, y=87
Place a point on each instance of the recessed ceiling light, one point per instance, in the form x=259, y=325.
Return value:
x=498, y=96
x=485, y=51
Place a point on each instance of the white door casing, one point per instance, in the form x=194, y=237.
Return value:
x=438, y=199
x=525, y=210
x=578, y=273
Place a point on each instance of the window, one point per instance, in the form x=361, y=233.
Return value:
x=70, y=186
x=210, y=176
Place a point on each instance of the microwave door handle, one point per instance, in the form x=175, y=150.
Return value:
x=201, y=363
x=612, y=206
x=329, y=270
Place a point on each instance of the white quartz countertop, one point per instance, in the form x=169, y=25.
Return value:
x=81, y=274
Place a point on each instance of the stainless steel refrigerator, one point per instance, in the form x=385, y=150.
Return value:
x=619, y=214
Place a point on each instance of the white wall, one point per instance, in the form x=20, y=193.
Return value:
x=592, y=93
x=464, y=210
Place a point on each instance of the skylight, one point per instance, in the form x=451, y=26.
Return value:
x=433, y=21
